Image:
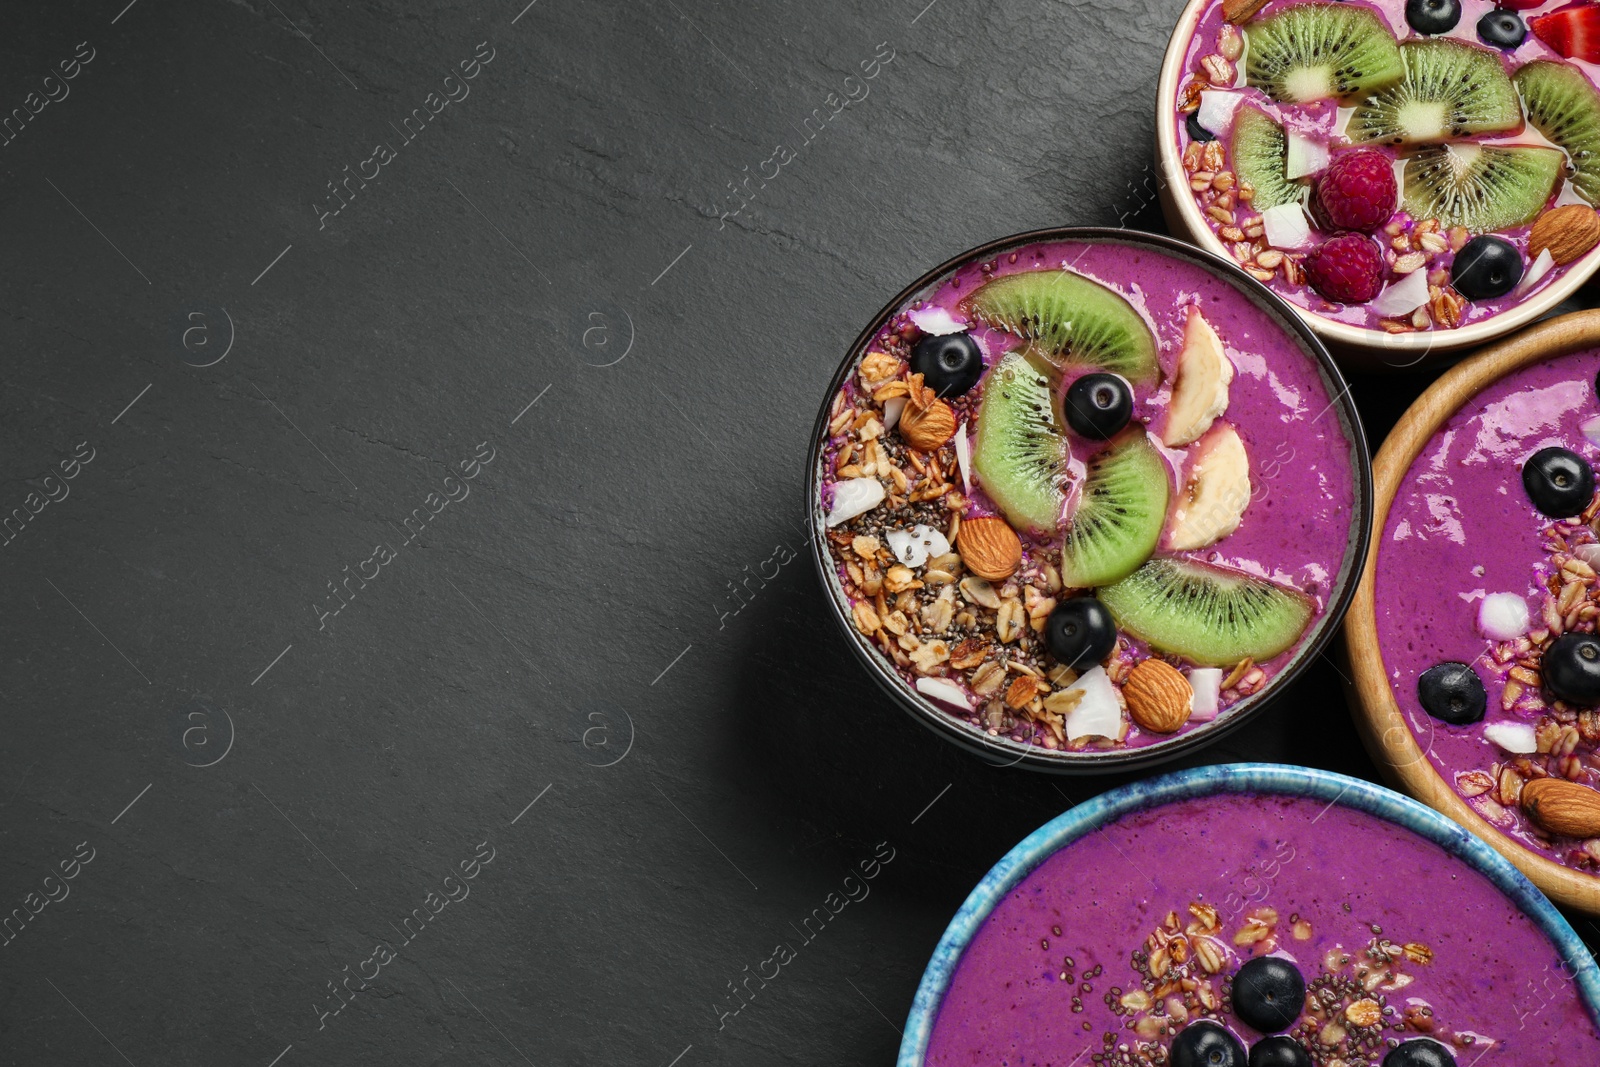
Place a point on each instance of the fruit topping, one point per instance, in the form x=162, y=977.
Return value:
x=1347, y=269
x=1503, y=616
x=1558, y=481
x=1120, y=514
x=1450, y=90
x=1096, y=713
x=1571, y=668
x=1206, y=1044
x=989, y=547
x=946, y=691
x=1197, y=132
x=1020, y=455
x=1565, y=107
x=1452, y=693
x=950, y=364
x=1070, y=320
x=852, y=497
x=1486, y=267
x=935, y=320
x=1280, y=1051
x=1541, y=265
x=1215, y=492
x=1356, y=192
x=1500, y=29
x=1210, y=615
x=1481, y=187
x=1159, y=697
x=1315, y=51
x=1269, y=994
x=1260, y=155
x=1207, y=685
x=1403, y=297
x=1200, y=391
x=1080, y=632
x=1563, y=808
x=1285, y=226
x=913, y=547
x=1420, y=1052
x=1567, y=232
x=1304, y=155
x=1573, y=32
x=1518, y=738
x=1433, y=16
x=1098, y=405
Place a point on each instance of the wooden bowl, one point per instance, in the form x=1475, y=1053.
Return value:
x=1382, y=725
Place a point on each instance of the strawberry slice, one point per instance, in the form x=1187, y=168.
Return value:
x=1573, y=32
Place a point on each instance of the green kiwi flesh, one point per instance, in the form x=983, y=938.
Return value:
x=1119, y=517
x=1020, y=455
x=1319, y=51
x=1259, y=151
x=1451, y=90
x=1564, y=107
x=1481, y=187
x=1070, y=320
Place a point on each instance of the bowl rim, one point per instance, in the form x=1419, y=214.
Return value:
x=1378, y=716
x=1412, y=346
x=1258, y=778
x=1003, y=751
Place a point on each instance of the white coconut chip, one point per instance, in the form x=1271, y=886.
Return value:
x=936, y=321
x=946, y=692
x=1503, y=616
x=913, y=547
x=1097, y=713
x=1286, y=226
x=1306, y=155
x=854, y=496
x=891, y=411
x=1512, y=736
x=964, y=458
x=1207, y=685
x=1540, y=267
x=1404, y=296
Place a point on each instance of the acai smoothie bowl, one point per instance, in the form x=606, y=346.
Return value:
x=1474, y=641
x=1086, y=498
x=1415, y=176
x=1260, y=915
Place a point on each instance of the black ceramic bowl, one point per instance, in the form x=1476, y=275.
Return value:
x=1003, y=750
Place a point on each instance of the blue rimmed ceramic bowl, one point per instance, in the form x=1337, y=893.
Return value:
x=1260, y=779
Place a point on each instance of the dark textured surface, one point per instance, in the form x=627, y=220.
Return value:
x=575, y=609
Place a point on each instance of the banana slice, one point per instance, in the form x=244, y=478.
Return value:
x=1201, y=392
x=1215, y=491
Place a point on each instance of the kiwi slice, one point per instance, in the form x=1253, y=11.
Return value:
x=1481, y=187
x=1564, y=107
x=1069, y=319
x=1021, y=455
x=1316, y=51
x=1120, y=514
x=1259, y=151
x=1451, y=90
x=1209, y=615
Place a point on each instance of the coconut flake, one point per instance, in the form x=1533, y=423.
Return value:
x=935, y=320
x=1589, y=553
x=852, y=497
x=964, y=458
x=1097, y=713
x=1306, y=155
x=1503, y=616
x=947, y=692
x=1216, y=109
x=1404, y=296
x=1207, y=685
x=1286, y=226
x=1540, y=267
x=1512, y=736
x=913, y=547
x=891, y=411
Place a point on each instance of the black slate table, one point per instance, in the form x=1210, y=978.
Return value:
x=430, y=376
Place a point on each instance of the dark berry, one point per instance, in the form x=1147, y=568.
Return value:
x=1420, y=1052
x=1558, y=481
x=1268, y=993
x=1502, y=29
x=1280, y=1051
x=1197, y=132
x=1206, y=1044
x=950, y=364
x=1452, y=693
x=1486, y=267
x=1098, y=405
x=1433, y=16
x=1571, y=668
x=1080, y=632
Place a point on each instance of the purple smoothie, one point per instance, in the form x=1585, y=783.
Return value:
x=1461, y=528
x=1301, y=519
x=1061, y=970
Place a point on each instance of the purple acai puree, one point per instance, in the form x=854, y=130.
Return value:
x=1299, y=525
x=1061, y=970
x=1321, y=119
x=1462, y=527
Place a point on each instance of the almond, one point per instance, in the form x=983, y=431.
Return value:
x=926, y=428
x=1568, y=232
x=1563, y=808
x=1237, y=11
x=1159, y=697
x=990, y=548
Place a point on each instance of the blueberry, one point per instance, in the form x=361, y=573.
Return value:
x=1280, y=1051
x=1433, y=16
x=1486, y=267
x=1559, y=482
x=1453, y=693
x=1420, y=1052
x=1503, y=29
x=1572, y=668
x=950, y=364
x=1080, y=632
x=1206, y=1044
x=1098, y=405
x=1268, y=993
x=1197, y=132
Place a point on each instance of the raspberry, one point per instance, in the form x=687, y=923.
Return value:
x=1356, y=192
x=1348, y=269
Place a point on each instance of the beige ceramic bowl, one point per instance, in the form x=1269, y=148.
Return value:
x=1358, y=346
